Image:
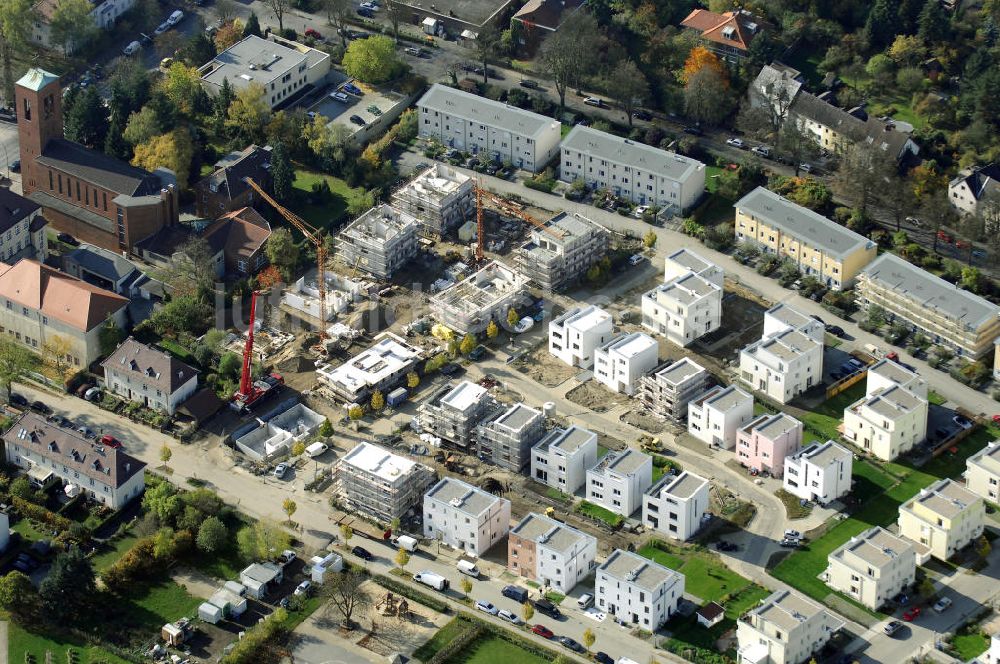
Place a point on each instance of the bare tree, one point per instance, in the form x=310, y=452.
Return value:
x=394, y=11
x=628, y=85
x=896, y=197
x=278, y=8
x=861, y=174
x=706, y=96
x=337, y=13
x=225, y=10
x=795, y=143
x=347, y=595
x=487, y=44
x=569, y=53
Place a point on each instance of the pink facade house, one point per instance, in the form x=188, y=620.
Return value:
x=764, y=443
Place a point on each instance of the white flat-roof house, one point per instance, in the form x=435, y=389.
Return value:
x=380, y=367
x=666, y=392
x=618, y=481
x=641, y=173
x=992, y=656
x=872, y=567
x=890, y=422
x=471, y=123
x=576, y=334
x=786, y=628
x=621, y=362
x=783, y=366
x=683, y=309
x=379, y=484
x=715, y=416
x=685, y=260
x=982, y=473
x=782, y=317
x=945, y=517
x=550, y=553
x=885, y=373
x=561, y=459
x=637, y=590
x=820, y=472
x=465, y=517
x=675, y=505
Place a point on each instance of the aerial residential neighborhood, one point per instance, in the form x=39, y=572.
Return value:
x=477, y=332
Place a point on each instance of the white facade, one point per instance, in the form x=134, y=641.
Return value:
x=104, y=15
x=685, y=260
x=992, y=656
x=618, y=481
x=782, y=317
x=575, y=335
x=982, y=474
x=381, y=485
x=380, y=367
x=486, y=295
x=637, y=590
x=820, y=472
x=550, y=553
x=561, y=459
x=786, y=628
x=465, y=517
x=885, y=373
x=783, y=366
x=716, y=416
x=621, y=362
x=471, y=123
x=149, y=376
x=871, y=568
x=683, y=309
x=675, y=505
x=945, y=517
x=973, y=187
x=888, y=423
x=638, y=172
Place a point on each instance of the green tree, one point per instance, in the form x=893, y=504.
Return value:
x=973, y=280
x=926, y=588
x=71, y=24
x=249, y=113
x=87, y=119
x=21, y=488
x=16, y=19
x=18, y=596
x=412, y=380
x=163, y=502
x=706, y=96
x=174, y=150
x=16, y=362
x=282, y=173
x=282, y=252
x=252, y=28
x=588, y=638
x=466, y=585
x=261, y=541
x=212, y=535
x=983, y=547
x=355, y=413
x=468, y=344
x=933, y=23
x=527, y=611
x=346, y=532
x=649, y=239
x=165, y=454
x=69, y=588
x=492, y=330
x=298, y=448
x=402, y=558
x=230, y=365
x=378, y=401
x=512, y=317
x=882, y=24
x=326, y=428
x=288, y=506
x=182, y=86
x=371, y=60
x=142, y=126
x=198, y=49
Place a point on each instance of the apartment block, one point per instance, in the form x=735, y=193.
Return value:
x=685, y=260
x=783, y=366
x=885, y=373
x=888, y=423
x=949, y=315
x=817, y=246
x=763, y=444
x=381, y=367
x=638, y=172
x=715, y=416
x=576, y=334
x=783, y=317
x=667, y=391
x=561, y=459
x=550, y=553
x=380, y=485
x=506, y=440
x=683, y=309
x=558, y=254
x=379, y=242
x=945, y=517
x=638, y=591
x=465, y=517
x=872, y=567
x=441, y=199
x=489, y=294
x=982, y=474
x=471, y=123
x=22, y=228
x=675, y=505
x=621, y=362
x=618, y=481
x=820, y=472
x=786, y=628
x=453, y=411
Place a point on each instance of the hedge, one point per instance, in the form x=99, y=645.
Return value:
x=29, y=510
x=268, y=631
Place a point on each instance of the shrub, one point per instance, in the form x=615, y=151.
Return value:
x=262, y=635
x=38, y=513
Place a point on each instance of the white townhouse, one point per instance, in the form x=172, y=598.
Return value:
x=149, y=376
x=992, y=656
x=945, y=517
x=576, y=334
x=683, y=309
x=471, y=123
x=675, y=505
x=465, y=517
x=621, y=362
x=550, y=553
x=715, y=416
x=872, y=567
x=888, y=423
x=561, y=459
x=783, y=366
x=820, y=472
x=786, y=628
x=982, y=473
x=782, y=317
x=885, y=373
x=637, y=590
x=618, y=481
x=685, y=260
x=641, y=173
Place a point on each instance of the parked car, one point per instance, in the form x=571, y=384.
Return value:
x=66, y=238
x=594, y=101
x=41, y=407
x=86, y=432
x=693, y=130
x=806, y=168
x=15, y=166
x=572, y=644
x=281, y=470
x=486, y=607
x=789, y=543
x=358, y=120
x=176, y=17
x=312, y=32
x=161, y=28
x=639, y=211
x=363, y=553
x=542, y=631
x=365, y=12
x=547, y=607
x=836, y=331
x=61, y=421
x=736, y=142
x=603, y=658
x=18, y=400
x=761, y=151
x=640, y=114
x=528, y=83
x=586, y=601
x=478, y=353
x=942, y=604
x=316, y=449
x=340, y=96
x=793, y=534
x=509, y=616
x=962, y=422
x=892, y=627
x=412, y=50
x=303, y=588
x=901, y=599
x=110, y=441
x=449, y=369
x=7, y=115
x=92, y=394
x=911, y=614
x=352, y=89
x=516, y=593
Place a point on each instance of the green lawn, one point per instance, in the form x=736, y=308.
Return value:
x=598, y=512
x=22, y=643
x=155, y=605
x=494, y=650
x=177, y=350
x=704, y=574
x=935, y=398
x=601, y=451
x=824, y=419
x=968, y=646
x=554, y=597
x=793, y=505
x=556, y=494
x=323, y=215
x=113, y=551
x=712, y=178
x=441, y=638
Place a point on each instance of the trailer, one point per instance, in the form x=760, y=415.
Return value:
x=397, y=396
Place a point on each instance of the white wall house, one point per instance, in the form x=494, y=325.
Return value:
x=820, y=472
x=685, y=260
x=786, y=628
x=561, y=459
x=637, y=590
x=782, y=317
x=576, y=334
x=888, y=423
x=885, y=373
x=683, y=309
x=105, y=14
x=675, y=505
x=945, y=517
x=465, y=517
x=783, y=366
x=716, y=416
x=638, y=172
x=973, y=187
x=621, y=362
x=471, y=123
x=149, y=376
x=618, y=481
x=871, y=568
x=982, y=474
x=380, y=367
x=550, y=553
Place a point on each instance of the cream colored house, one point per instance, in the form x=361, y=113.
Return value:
x=982, y=474
x=888, y=423
x=786, y=628
x=945, y=517
x=872, y=567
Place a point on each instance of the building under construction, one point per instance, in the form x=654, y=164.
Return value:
x=506, y=439
x=441, y=198
x=379, y=242
x=487, y=295
x=557, y=258
x=453, y=411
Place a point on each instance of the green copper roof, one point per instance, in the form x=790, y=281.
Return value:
x=36, y=79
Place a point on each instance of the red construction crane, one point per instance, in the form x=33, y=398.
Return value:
x=508, y=208
x=251, y=392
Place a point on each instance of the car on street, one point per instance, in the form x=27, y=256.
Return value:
x=529, y=83
x=603, y=658
x=761, y=151
x=110, y=441
x=547, y=607
x=66, y=238
x=736, y=143
x=358, y=120
x=303, y=588
x=942, y=604
x=836, y=331
x=313, y=32
x=594, y=101
x=478, y=353
x=18, y=400
x=542, y=631
x=572, y=644
x=41, y=407
x=640, y=114
x=363, y=553
x=806, y=168
x=281, y=470
x=7, y=115
x=509, y=616
x=892, y=627
x=350, y=88
x=161, y=28
x=15, y=166
x=639, y=211
x=911, y=614
x=693, y=130
x=913, y=220
x=486, y=607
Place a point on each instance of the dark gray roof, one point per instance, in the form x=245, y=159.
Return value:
x=253, y=162
x=14, y=208
x=70, y=210
x=98, y=168
x=828, y=115
x=107, y=264
x=156, y=367
x=981, y=180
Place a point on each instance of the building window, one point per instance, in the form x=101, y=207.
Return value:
x=51, y=183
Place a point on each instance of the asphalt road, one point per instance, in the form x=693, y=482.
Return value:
x=9, y=149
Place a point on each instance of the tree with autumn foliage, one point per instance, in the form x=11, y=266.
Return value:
x=700, y=58
x=268, y=277
x=706, y=86
x=228, y=34
x=174, y=150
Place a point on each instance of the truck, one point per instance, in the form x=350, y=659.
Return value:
x=405, y=542
x=396, y=397
x=432, y=580
x=468, y=568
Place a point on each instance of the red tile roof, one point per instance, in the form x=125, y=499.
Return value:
x=711, y=25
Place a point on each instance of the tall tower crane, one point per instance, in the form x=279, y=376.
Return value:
x=312, y=234
x=252, y=392
x=506, y=207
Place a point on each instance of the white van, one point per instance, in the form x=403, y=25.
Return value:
x=132, y=48
x=175, y=18
x=316, y=449
x=468, y=568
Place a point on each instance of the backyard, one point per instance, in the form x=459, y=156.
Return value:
x=600, y=513
x=821, y=422
x=704, y=574
x=23, y=644
x=321, y=214
x=494, y=650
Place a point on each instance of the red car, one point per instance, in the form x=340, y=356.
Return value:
x=542, y=631
x=911, y=614
x=110, y=441
x=311, y=32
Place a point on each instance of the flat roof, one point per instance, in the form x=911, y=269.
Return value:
x=482, y=289
x=570, y=225
x=685, y=289
x=891, y=402
x=786, y=345
x=569, y=440
x=387, y=356
x=691, y=260
x=624, y=462
x=876, y=547
x=549, y=532
x=684, y=485
x=463, y=395
x=789, y=315
x=631, y=153
x=462, y=497
x=930, y=292
x=378, y=461
x=988, y=458
x=641, y=572
x=437, y=182
x=787, y=610
x=802, y=223
x=256, y=60
x=773, y=425
x=518, y=416
x=680, y=371
x=823, y=454
x=727, y=398
x=630, y=345
x=893, y=371
x=947, y=498
x=382, y=222
x=583, y=318
x=448, y=100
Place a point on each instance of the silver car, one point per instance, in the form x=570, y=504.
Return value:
x=509, y=616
